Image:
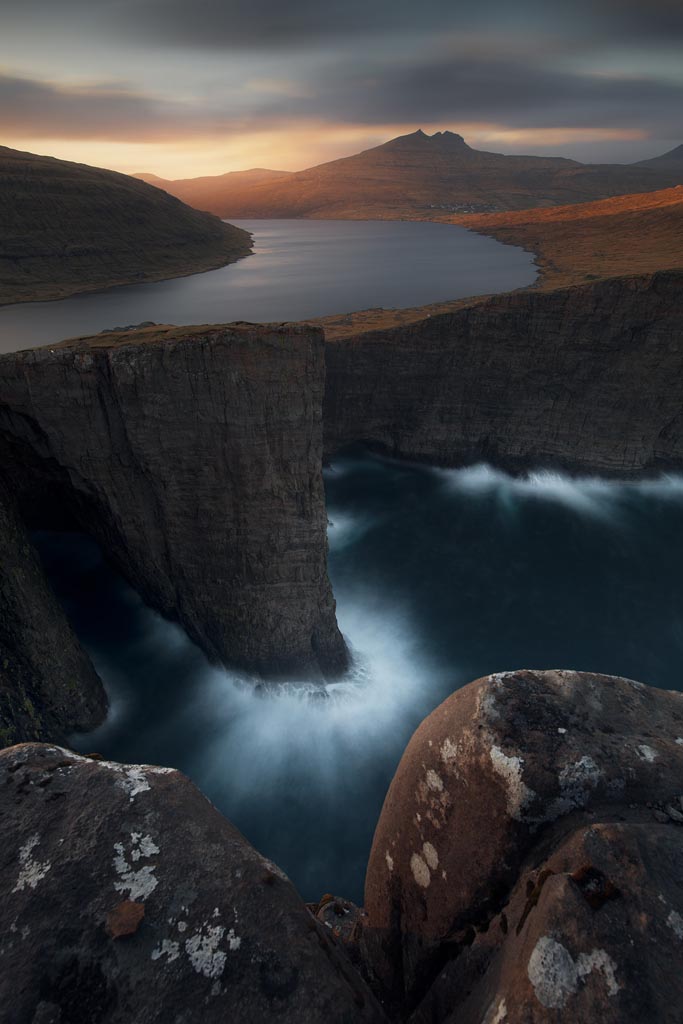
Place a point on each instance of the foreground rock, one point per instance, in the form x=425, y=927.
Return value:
x=194, y=457
x=48, y=686
x=588, y=378
x=486, y=794
x=592, y=933
x=127, y=897
x=67, y=227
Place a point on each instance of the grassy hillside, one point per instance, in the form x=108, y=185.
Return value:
x=67, y=228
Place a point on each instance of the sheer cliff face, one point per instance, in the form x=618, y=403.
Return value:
x=48, y=686
x=586, y=378
x=194, y=457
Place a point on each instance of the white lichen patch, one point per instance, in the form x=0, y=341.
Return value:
x=555, y=975
x=646, y=753
x=390, y=860
x=31, y=870
x=510, y=770
x=421, y=872
x=675, y=922
x=141, y=882
x=561, y=730
x=448, y=751
x=434, y=781
x=168, y=949
x=430, y=855
x=203, y=950
x=679, y=741
x=234, y=941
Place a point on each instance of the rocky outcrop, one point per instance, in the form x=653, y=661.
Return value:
x=529, y=841
x=48, y=686
x=67, y=228
x=587, y=378
x=127, y=897
x=194, y=458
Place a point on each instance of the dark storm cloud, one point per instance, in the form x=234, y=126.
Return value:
x=303, y=23
x=494, y=91
x=42, y=109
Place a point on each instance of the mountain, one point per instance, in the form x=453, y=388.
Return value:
x=419, y=176
x=214, y=191
x=671, y=162
x=67, y=228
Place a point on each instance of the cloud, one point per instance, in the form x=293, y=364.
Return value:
x=34, y=109
x=263, y=24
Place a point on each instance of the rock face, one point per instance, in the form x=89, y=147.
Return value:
x=487, y=793
x=48, y=686
x=127, y=897
x=194, y=458
x=67, y=228
x=585, y=378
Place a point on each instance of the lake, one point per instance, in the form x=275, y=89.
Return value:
x=440, y=576
x=300, y=269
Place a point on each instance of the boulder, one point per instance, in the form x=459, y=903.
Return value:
x=127, y=897
x=502, y=766
x=593, y=933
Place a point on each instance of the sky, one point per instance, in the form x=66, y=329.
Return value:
x=183, y=88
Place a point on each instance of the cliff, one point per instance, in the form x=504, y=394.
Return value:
x=67, y=228
x=193, y=456
x=48, y=687
x=586, y=378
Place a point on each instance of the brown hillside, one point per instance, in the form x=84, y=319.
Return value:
x=625, y=235
x=420, y=176
x=67, y=228
x=214, y=191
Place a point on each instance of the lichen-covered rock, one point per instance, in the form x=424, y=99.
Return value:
x=486, y=778
x=593, y=933
x=125, y=896
x=48, y=686
x=194, y=457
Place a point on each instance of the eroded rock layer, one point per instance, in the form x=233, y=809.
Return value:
x=127, y=897
x=194, y=458
x=588, y=378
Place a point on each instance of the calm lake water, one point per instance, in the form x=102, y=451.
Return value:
x=440, y=577
x=300, y=269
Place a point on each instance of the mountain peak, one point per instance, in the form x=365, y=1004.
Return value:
x=439, y=140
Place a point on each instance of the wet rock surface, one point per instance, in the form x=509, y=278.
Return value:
x=193, y=456
x=487, y=791
x=48, y=686
x=585, y=378
x=127, y=897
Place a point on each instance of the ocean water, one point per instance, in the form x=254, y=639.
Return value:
x=440, y=576
x=300, y=269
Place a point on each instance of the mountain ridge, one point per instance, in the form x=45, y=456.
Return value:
x=419, y=176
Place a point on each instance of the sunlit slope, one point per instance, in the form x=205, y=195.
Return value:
x=66, y=228
x=630, y=234
x=419, y=176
